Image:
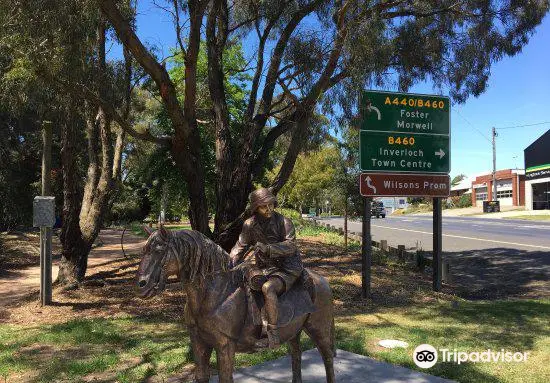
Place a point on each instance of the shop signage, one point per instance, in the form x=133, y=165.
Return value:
x=537, y=158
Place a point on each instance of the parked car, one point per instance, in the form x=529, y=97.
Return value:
x=377, y=209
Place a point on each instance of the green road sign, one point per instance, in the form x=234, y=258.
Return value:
x=403, y=132
x=398, y=152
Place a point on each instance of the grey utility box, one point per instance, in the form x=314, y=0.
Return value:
x=43, y=212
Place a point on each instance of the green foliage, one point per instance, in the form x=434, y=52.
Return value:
x=46, y=48
x=457, y=179
x=464, y=200
x=151, y=170
x=130, y=204
x=291, y=214
x=19, y=169
x=235, y=84
x=313, y=173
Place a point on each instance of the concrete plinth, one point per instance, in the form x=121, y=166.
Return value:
x=349, y=368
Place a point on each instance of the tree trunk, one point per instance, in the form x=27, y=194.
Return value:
x=186, y=143
x=74, y=254
x=82, y=218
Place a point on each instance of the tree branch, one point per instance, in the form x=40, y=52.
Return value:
x=157, y=72
x=178, y=27
x=276, y=58
x=123, y=123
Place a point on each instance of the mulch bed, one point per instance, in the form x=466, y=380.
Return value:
x=108, y=290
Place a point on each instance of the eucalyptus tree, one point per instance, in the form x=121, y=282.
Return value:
x=56, y=58
x=311, y=55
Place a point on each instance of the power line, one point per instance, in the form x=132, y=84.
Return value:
x=469, y=123
x=523, y=126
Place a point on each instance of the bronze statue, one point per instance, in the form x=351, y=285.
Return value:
x=276, y=255
x=217, y=311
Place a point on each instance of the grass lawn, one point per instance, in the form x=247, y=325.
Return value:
x=515, y=326
x=130, y=349
x=107, y=334
x=532, y=217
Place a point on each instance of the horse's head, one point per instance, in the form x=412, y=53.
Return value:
x=157, y=263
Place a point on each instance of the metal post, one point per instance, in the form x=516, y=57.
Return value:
x=46, y=158
x=46, y=232
x=346, y=224
x=366, y=248
x=437, y=244
x=45, y=266
x=494, y=135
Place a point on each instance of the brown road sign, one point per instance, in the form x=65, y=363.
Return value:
x=404, y=185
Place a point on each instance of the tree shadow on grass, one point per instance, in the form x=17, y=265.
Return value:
x=500, y=273
x=494, y=273
x=99, y=348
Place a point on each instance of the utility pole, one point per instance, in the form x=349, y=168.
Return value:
x=494, y=135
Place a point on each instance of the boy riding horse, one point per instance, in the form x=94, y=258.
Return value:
x=273, y=239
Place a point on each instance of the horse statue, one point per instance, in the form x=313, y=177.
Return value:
x=216, y=307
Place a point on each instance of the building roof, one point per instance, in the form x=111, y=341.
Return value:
x=465, y=184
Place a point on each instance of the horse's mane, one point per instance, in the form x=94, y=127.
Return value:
x=198, y=255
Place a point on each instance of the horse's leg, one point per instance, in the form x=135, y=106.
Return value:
x=296, y=354
x=322, y=340
x=201, y=354
x=225, y=353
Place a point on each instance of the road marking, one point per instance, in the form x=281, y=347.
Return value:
x=462, y=237
x=535, y=227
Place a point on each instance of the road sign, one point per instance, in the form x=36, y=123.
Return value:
x=396, y=185
x=397, y=152
x=403, y=132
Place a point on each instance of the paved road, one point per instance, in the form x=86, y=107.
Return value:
x=489, y=258
x=459, y=233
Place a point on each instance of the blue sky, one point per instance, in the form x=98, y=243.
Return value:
x=518, y=94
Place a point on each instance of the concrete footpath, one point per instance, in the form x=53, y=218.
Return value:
x=349, y=368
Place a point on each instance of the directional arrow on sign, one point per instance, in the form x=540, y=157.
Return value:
x=440, y=153
x=370, y=185
x=370, y=107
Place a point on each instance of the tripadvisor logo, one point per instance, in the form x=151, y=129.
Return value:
x=426, y=356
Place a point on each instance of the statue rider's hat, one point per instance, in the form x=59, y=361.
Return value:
x=260, y=197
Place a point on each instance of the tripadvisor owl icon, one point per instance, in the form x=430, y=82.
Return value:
x=425, y=356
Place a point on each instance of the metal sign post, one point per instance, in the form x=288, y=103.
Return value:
x=44, y=217
x=366, y=249
x=437, y=263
